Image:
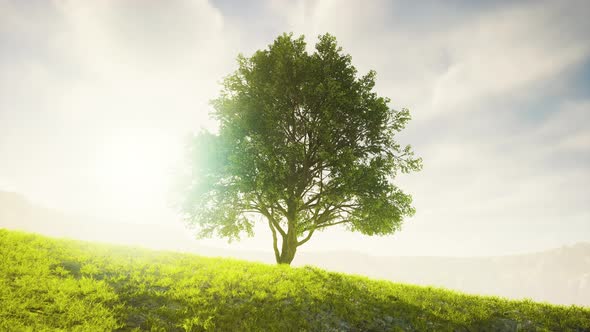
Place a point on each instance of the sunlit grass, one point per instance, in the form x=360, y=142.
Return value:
x=72, y=285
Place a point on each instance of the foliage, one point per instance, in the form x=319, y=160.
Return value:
x=48, y=284
x=303, y=142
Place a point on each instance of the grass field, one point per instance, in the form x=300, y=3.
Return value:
x=49, y=284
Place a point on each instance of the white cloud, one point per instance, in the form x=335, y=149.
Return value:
x=567, y=129
x=495, y=54
x=74, y=73
x=448, y=65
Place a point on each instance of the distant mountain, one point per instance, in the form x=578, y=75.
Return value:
x=559, y=276
x=17, y=212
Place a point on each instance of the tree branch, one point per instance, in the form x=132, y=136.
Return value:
x=269, y=215
x=309, y=234
x=332, y=224
x=276, y=223
x=274, y=241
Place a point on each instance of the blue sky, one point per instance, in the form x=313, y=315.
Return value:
x=499, y=94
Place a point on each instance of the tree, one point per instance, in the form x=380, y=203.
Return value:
x=303, y=144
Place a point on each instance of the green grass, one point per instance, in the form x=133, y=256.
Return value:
x=48, y=284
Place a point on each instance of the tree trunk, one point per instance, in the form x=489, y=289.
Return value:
x=286, y=257
x=289, y=248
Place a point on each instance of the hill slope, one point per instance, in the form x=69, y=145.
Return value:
x=560, y=276
x=62, y=284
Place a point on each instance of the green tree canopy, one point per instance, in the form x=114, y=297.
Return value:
x=304, y=143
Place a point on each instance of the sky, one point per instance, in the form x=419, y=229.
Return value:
x=97, y=98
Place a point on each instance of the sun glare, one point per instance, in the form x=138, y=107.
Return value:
x=133, y=170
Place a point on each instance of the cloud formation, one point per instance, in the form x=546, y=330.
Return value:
x=501, y=115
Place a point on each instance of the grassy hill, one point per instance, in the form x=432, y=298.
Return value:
x=48, y=284
x=566, y=269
